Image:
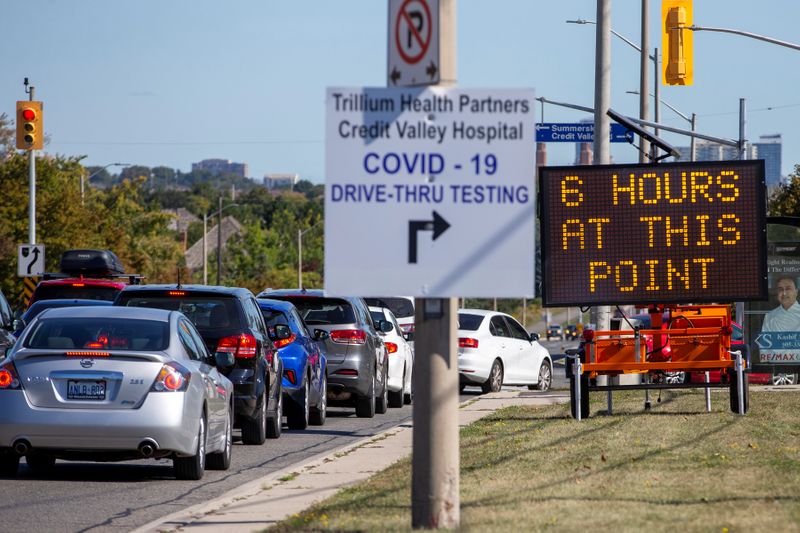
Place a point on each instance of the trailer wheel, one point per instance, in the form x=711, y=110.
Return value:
x=583, y=382
x=734, y=388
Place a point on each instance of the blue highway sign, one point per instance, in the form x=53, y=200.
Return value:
x=579, y=132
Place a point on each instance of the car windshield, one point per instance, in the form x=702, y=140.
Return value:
x=76, y=291
x=99, y=333
x=469, y=322
x=204, y=310
x=400, y=307
x=322, y=311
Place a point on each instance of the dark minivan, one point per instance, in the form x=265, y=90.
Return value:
x=230, y=322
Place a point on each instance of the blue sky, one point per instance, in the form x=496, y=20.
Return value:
x=158, y=82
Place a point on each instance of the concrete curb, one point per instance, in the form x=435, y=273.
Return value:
x=268, y=500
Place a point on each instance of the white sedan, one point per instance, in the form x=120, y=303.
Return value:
x=401, y=356
x=494, y=349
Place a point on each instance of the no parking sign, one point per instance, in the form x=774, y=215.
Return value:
x=413, y=43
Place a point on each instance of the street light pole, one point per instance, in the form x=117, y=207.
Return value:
x=644, y=145
x=206, y=216
x=95, y=173
x=219, y=243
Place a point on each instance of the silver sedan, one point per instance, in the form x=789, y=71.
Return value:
x=114, y=384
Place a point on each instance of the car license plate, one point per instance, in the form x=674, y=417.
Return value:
x=86, y=389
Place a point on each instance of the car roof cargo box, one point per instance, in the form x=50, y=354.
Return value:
x=91, y=263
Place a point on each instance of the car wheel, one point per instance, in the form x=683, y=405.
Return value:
x=297, y=414
x=194, y=466
x=396, y=399
x=254, y=430
x=382, y=402
x=222, y=460
x=783, y=378
x=40, y=463
x=545, y=377
x=275, y=424
x=9, y=464
x=495, y=381
x=365, y=405
x=320, y=412
x=408, y=397
x=734, y=388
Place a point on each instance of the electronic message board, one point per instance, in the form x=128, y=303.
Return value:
x=666, y=233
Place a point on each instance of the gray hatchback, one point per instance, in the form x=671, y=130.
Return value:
x=358, y=362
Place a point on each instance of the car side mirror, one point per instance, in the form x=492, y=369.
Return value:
x=18, y=324
x=385, y=326
x=224, y=360
x=534, y=337
x=321, y=335
x=280, y=332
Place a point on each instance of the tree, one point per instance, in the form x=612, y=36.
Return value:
x=7, y=136
x=785, y=201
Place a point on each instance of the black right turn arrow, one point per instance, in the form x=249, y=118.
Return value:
x=438, y=225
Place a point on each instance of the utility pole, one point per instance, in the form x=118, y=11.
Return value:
x=299, y=258
x=435, y=476
x=219, y=244
x=644, y=68
x=602, y=101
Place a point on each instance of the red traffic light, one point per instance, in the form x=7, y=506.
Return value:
x=28, y=114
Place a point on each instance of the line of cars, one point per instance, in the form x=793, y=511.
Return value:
x=105, y=368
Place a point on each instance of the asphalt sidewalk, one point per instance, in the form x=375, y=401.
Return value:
x=266, y=501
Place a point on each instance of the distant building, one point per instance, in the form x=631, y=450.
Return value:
x=221, y=166
x=584, y=152
x=769, y=149
x=281, y=181
x=708, y=151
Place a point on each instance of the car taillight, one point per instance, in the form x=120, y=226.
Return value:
x=467, y=342
x=9, y=380
x=172, y=378
x=349, y=336
x=242, y=346
x=347, y=372
x=391, y=347
x=176, y=293
x=407, y=328
x=290, y=375
x=280, y=343
x=87, y=353
x=78, y=284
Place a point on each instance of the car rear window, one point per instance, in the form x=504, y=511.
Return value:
x=400, y=307
x=98, y=333
x=469, y=322
x=77, y=291
x=204, y=310
x=321, y=311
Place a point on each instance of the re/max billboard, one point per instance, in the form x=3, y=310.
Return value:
x=666, y=233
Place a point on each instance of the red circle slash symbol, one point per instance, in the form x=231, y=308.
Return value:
x=412, y=32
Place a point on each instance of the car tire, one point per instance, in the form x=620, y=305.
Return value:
x=297, y=414
x=782, y=378
x=495, y=380
x=275, y=423
x=397, y=399
x=461, y=387
x=734, y=388
x=545, y=377
x=40, y=463
x=583, y=383
x=222, y=460
x=254, y=430
x=320, y=412
x=382, y=401
x=193, y=467
x=408, y=397
x=9, y=464
x=365, y=405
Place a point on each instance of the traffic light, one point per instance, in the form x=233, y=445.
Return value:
x=677, y=42
x=30, y=132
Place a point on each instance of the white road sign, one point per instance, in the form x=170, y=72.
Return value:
x=413, y=43
x=430, y=192
x=30, y=260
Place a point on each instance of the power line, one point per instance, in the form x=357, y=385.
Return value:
x=770, y=108
x=179, y=143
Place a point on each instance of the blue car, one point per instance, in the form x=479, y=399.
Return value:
x=40, y=305
x=305, y=381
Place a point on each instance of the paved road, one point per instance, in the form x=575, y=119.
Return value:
x=122, y=496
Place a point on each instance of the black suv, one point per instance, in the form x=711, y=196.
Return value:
x=358, y=363
x=229, y=321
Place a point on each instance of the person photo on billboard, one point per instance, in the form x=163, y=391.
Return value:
x=785, y=317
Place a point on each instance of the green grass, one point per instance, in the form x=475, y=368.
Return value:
x=673, y=468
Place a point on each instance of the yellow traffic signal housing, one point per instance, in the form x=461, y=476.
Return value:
x=677, y=43
x=30, y=131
